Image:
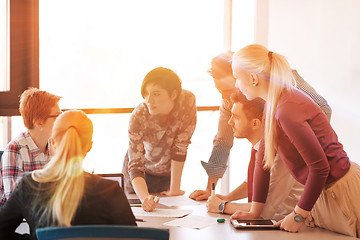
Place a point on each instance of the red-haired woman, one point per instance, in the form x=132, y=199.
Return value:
x=30, y=150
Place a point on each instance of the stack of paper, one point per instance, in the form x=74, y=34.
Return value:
x=192, y=221
x=178, y=201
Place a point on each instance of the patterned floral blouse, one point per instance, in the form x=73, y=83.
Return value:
x=156, y=140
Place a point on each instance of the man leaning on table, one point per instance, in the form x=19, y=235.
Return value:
x=284, y=191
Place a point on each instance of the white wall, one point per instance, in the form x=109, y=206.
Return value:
x=321, y=39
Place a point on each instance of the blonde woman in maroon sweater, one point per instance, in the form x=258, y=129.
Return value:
x=297, y=129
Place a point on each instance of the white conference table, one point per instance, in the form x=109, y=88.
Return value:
x=225, y=231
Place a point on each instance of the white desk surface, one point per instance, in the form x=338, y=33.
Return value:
x=225, y=231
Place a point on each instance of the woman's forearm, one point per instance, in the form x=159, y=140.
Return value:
x=176, y=172
x=239, y=193
x=140, y=188
x=256, y=209
x=231, y=208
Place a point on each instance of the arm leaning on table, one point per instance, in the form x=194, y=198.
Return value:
x=137, y=160
x=230, y=207
x=260, y=188
x=222, y=144
x=238, y=193
x=181, y=144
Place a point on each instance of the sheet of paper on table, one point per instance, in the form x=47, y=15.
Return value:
x=192, y=221
x=178, y=201
x=176, y=213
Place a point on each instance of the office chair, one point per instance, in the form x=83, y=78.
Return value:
x=101, y=232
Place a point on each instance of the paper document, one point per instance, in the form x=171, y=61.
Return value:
x=178, y=201
x=176, y=213
x=192, y=221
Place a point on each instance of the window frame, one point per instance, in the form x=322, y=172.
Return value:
x=24, y=54
x=24, y=62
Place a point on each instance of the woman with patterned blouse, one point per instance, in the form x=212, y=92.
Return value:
x=160, y=130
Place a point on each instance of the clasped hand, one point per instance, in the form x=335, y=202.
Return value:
x=199, y=195
x=213, y=203
x=149, y=203
x=289, y=224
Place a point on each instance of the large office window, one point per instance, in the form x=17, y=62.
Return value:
x=95, y=54
x=4, y=61
x=4, y=45
x=19, y=43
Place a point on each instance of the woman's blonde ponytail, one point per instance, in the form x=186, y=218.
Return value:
x=274, y=68
x=280, y=77
x=63, y=175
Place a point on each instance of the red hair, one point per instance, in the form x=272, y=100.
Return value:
x=36, y=105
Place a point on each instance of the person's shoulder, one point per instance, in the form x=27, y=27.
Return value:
x=17, y=142
x=140, y=110
x=187, y=98
x=140, y=113
x=96, y=186
x=26, y=181
x=27, y=175
x=292, y=97
x=97, y=181
x=13, y=146
x=187, y=94
x=287, y=103
x=294, y=105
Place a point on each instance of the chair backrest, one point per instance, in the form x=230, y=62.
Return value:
x=98, y=232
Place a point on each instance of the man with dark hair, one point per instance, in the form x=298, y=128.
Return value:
x=284, y=191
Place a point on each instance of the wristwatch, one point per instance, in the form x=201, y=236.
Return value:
x=222, y=206
x=297, y=217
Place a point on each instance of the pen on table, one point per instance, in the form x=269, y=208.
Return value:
x=212, y=189
x=139, y=220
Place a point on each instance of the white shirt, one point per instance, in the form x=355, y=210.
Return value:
x=284, y=192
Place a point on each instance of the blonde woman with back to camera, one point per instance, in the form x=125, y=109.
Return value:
x=297, y=129
x=62, y=193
